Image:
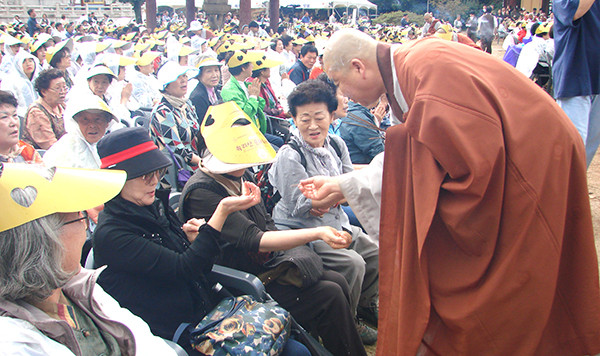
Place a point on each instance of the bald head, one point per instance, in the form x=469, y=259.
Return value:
x=350, y=60
x=346, y=45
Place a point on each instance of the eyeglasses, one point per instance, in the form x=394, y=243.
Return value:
x=82, y=216
x=160, y=173
x=62, y=89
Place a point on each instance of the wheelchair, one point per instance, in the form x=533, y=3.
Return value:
x=542, y=76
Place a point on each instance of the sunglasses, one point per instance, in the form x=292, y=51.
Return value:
x=160, y=173
x=82, y=216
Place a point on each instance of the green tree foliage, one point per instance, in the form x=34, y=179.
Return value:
x=443, y=9
x=137, y=8
x=394, y=18
x=448, y=9
x=387, y=5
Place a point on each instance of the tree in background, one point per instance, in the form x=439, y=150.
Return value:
x=384, y=6
x=137, y=8
x=448, y=9
x=444, y=9
x=394, y=18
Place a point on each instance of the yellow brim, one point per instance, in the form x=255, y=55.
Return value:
x=267, y=63
x=57, y=190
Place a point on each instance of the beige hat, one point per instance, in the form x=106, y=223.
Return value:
x=207, y=60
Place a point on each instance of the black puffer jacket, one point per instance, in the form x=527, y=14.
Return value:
x=152, y=268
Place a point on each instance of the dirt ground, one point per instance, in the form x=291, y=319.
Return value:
x=594, y=189
x=593, y=175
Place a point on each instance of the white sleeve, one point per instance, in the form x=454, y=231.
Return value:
x=19, y=337
x=362, y=189
x=528, y=59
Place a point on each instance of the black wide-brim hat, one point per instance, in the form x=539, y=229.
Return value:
x=131, y=149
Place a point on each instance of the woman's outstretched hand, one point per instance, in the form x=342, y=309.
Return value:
x=249, y=198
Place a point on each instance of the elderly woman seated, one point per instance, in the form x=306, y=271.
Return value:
x=174, y=120
x=206, y=92
x=49, y=305
x=99, y=79
x=145, y=85
x=312, y=151
x=86, y=120
x=317, y=298
x=59, y=57
x=11, y=148
x=157, y=265
x=21, y=82
x=44, y=123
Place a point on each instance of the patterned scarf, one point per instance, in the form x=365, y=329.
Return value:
x=328, y=163
x=13, y=153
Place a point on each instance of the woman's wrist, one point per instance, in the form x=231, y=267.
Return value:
x=223, y=210
x=316, y=233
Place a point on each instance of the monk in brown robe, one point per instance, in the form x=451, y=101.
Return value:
x=486, y=239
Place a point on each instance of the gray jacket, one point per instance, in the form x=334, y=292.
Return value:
x=293, y=210
x=80, y=290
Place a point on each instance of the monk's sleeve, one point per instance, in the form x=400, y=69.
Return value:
x=469, y=147
x=362, y=190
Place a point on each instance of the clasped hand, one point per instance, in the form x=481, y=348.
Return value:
x=335, y=239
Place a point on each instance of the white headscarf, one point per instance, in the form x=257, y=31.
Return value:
x=19, y=84
x=72, y=150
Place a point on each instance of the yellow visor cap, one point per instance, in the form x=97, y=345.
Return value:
x=240, y=58
x=147, y=58
x=56, y=190
x=232, y=138
x=266, y=62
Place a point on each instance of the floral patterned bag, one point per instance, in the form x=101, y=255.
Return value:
x=242, y=326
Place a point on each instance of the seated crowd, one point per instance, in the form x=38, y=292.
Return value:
x=169, y=129
x=155, y=157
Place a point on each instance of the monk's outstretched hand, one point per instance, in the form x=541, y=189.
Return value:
x=324, y=192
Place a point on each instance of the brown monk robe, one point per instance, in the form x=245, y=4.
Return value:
x=486, y=244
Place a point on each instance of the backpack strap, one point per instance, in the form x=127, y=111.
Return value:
x=336, y=147
x=332, y=142
x=296, y=148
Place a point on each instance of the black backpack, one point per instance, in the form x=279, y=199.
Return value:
x=269, y=196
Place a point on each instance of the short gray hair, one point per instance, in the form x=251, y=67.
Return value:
x=31, y=257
